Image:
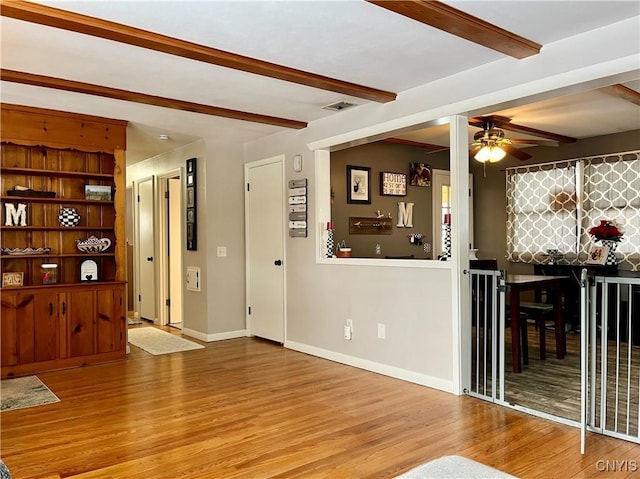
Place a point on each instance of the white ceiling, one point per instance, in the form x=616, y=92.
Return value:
x=349, y=40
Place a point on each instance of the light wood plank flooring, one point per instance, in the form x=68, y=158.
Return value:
x=246, y=408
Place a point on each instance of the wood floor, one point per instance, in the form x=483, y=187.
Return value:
x=246, y=408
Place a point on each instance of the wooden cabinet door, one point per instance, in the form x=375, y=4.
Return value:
x=112, y=320
x=79, y=307
x=46, y=323
x=29, y=327
x=8, y=325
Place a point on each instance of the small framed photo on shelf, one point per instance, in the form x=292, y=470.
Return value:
x=598, y=254
x=393, y=184
x=358, y=179
x=98, y=192
x=12, y=279
x=89, y=270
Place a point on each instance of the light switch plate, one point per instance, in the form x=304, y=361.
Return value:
x=222, y=251
x=193, y=278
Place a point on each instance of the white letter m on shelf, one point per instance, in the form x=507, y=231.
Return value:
x=13, y=216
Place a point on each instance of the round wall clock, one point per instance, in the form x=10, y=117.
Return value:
x=89, y=270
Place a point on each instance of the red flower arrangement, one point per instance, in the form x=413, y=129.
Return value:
x=607, y=230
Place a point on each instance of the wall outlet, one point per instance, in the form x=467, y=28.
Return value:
x=347, y=333
x=382, y=331
x=350, y=324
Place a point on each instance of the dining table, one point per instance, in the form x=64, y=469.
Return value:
x=516, y=284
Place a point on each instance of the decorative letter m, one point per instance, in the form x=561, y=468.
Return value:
x=15, y=217
x=405, y=215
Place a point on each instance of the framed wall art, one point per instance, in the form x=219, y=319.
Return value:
x=192, y=211
x=393, y=184
x=420, y=174
x=358, y=182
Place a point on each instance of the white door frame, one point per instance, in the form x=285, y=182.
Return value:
x=162, y=265
x=275, y=159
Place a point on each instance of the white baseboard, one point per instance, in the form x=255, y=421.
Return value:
x=392, y=371
x=214, y=337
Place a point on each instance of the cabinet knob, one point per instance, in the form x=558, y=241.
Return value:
x=149, y=258
x=278, y=262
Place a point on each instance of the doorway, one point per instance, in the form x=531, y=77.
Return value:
x=265, y=262
x=171, y=245
x=145, y=248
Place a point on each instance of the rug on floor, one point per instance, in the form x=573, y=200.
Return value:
x=156, y=341
x=20, y=393
x=132, y=321
x=454, y=467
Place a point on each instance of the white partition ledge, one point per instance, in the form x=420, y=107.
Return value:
x=396, y=263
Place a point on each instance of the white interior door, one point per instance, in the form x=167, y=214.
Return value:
x=146, y=256
x=265, y=210
x=175, y=251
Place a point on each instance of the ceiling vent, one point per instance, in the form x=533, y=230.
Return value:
x=341, y=105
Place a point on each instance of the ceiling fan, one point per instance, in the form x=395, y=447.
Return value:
x=491, y=145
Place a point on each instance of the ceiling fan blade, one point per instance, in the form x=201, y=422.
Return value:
x=523, y=141
x=505, y=123
x=515, y=152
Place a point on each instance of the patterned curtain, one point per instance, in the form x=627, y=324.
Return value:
x=552, y=206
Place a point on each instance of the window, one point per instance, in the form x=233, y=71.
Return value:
x=552, y=206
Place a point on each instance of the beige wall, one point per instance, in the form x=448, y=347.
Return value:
x=218, y=310
x=381, y=156
x=490, y=198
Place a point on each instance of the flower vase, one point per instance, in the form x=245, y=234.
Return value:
x=611, y=252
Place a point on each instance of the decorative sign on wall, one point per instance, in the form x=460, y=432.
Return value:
x=192, y=237
x=298, y=208
x=393, y=184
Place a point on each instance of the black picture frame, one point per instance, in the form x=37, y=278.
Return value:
x=358, y=185
x=191, y=215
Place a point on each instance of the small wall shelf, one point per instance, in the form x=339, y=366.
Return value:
x=370, y=226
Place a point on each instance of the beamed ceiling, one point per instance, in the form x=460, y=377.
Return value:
x=249, y=69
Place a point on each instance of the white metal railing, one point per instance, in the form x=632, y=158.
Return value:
x=610, y=316
x=487, y=334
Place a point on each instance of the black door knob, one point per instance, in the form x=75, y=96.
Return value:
x=149, y=258
x=278, y=262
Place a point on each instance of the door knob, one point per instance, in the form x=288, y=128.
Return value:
x=278, y=262
x=149, y=258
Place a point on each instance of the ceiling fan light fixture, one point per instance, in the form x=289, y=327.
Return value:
x=490, y=153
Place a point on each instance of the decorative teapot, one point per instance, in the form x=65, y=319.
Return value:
x=93, y=244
